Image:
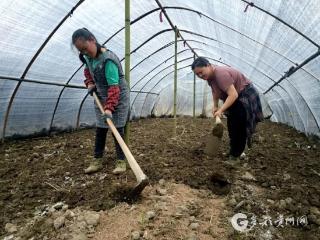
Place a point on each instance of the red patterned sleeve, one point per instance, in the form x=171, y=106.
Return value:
x=112, y=98
x=89, y=79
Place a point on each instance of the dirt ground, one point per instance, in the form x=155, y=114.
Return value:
x=278, y=178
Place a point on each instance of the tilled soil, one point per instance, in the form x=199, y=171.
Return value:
x=279, y=175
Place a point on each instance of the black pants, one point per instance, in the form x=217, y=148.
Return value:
x=100, y=142
x=236, y=121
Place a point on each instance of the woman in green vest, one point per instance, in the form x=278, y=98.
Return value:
x=104, y=75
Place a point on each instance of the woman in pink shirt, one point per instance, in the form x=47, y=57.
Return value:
x=241, y=102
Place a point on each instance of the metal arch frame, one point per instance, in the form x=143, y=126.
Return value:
x=159, y=93
x=286, y=75
x=160, y=49
x=285, y=104
x=202, y=43
x=223, y=63
x=277, y=18
x=163, y=9
x=155, y=102
x=186, y=9
x=40, y=82
x=190, y=32
x=188, y=40
x=205, y=44
x=226, y=26
x=215, y=60
x=289, y=74
x=166, y=76
x=289, y=95
x=81, y=104
x=304, y=62
x=278, y=109
x=13, y=95
x=200, y=35
x=30, y=64
x=58, y=101
x=304, y=100
x=295, y=106
x=244, y=60
x=270, y=14
x=282, y=21
x=258, y=85
x=84, y=99
x=167, y=45
x=182, y=60
x=292, y=70
x=160, y=81
x=312, y=113
x=149, y=39
x=80, y=107
x=113, y=35
x=158, y=66
x=132, y=22
x=161, y=72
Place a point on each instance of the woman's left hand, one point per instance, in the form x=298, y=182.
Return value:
x=108, y=112
x=107, y=115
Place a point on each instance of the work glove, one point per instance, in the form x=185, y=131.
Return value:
x=91, y=89
x=106, y=116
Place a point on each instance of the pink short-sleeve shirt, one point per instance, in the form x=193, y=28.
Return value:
x=223, y=78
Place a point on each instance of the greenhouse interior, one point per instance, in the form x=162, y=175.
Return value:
x=158, y=119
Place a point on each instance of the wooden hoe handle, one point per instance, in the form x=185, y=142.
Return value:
x=132, y=162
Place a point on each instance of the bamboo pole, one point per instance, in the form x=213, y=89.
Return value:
x=205, y=99
x=127, y=59
x=175, y=82
x=194, y=91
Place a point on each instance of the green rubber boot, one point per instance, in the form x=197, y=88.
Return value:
x=121, y=167
x=95, y=166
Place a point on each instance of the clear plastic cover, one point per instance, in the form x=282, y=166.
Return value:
x=36, y=45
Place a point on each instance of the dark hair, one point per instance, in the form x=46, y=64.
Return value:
x=200, y=62
x=83, y=34
x=86, y=35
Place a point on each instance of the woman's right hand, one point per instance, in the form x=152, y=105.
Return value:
x=214, y=109
x=91, y=88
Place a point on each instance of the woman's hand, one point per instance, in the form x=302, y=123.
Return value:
x=218, y=113
x=108, y=112
x=91, y=89
x=214, y=109
x=107, y=115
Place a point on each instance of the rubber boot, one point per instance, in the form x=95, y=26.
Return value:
x=95, y=166
x=121, y=167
